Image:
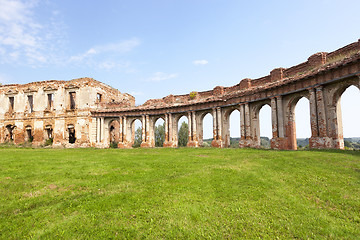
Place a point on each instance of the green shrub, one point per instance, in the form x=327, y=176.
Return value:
x=193, y=94
x=114, y=144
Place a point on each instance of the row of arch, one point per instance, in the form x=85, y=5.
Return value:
x=300, y=106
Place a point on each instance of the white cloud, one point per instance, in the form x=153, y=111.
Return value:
x=24, y=40
x=107, y=65
x=160, y=76
x=119, y=47
x=200, y=62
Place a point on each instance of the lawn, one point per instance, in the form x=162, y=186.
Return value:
x=179, y=193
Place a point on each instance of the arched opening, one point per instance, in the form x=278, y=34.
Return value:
x=265, y=126
x=183, y=131
x=302, y=123
x=49, y=139
x=71, y=131
x=136, y=130
x=159, y=134
x=28, y=136
x=9, y=133
x=207, y=130
x=350, y=116
x=49, y=132
x=234, y=128
x=114, y=133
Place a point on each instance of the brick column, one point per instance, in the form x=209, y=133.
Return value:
x=147, y=130
x=247, y=121
x=321, y=112
x=242, y=121
x=313, y=114
x=125, y=129
x=274, y=119
x=120, y=129
x=102, y=133
x=171, y=134
x=219, y=123
x=194, y=126
x=190, y=126
x=143, y=123
x=215, y=135
x=166, y=127
x=280, y=116
x=98, y=129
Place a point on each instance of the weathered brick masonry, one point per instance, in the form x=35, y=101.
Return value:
x=322, y=80
x=103, y=115
x=58, y=110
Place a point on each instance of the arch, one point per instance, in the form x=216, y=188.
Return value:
x=302, y=122
x=158, y=132
x=182, y=136
x=136, y=127
x=72, y=134
x=9, y=133
x=291, y=117
x=341, y=88
x=230, y=119
x=205, y=120
x=346, y=116
x=114, y=132
x=48, y=132
x=28, y=134
x=265, y=125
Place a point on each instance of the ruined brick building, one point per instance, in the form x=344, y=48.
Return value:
x=85, y=112
x=55, y=110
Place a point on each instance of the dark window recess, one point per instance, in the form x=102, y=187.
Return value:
x=31, y=103
x=72, y=100
x=49, y=131
x=9, y=136
x=50, y=97
x=11, y=104
x=30, y=137
x=72, y=138
x=98, y=97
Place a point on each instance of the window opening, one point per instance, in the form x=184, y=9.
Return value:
x=98, y=97
x=31, y=103
x=50, y=97
x=30, y=137
x=11, y=104
x=72, y=100
x=72, y=137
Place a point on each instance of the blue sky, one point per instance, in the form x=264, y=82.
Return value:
x=154, y=48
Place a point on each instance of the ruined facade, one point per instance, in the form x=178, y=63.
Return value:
x=321, y=79
x=57, y=112
x=85, y=112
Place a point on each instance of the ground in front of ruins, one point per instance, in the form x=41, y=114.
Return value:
x=179, y=194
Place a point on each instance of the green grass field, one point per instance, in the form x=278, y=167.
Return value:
x=179, y=193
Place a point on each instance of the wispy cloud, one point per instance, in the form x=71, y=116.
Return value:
x=22, y=38
x=200, y=62
x=160, y=76
x=119, y=47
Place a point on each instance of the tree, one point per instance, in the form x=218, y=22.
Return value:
x=183, y=134
x=138, y=137
x=159, y=135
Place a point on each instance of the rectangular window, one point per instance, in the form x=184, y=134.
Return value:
x=11, y=104
x=31, y=103
x=50, y=97
x=72, y=100
x=98, y=97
